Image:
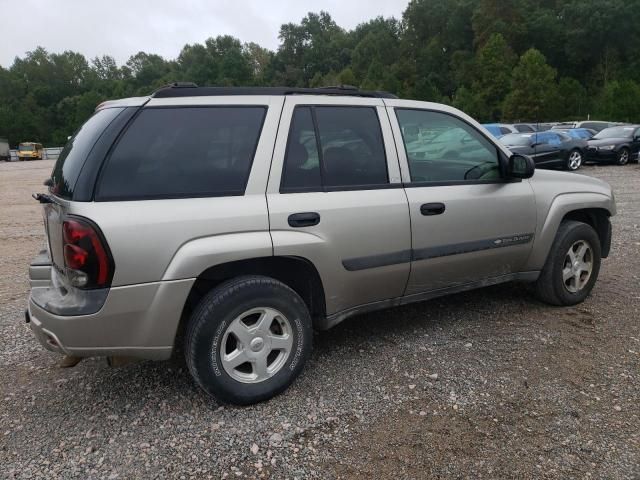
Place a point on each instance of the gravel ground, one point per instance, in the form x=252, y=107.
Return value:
x=486, y=384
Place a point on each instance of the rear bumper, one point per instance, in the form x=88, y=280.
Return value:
x=136, y=320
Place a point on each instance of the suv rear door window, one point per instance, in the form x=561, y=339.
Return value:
x=183, y=152
x=333, y=148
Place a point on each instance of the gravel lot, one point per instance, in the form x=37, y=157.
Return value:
x=486, y=384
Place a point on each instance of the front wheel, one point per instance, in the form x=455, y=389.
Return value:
x=572, y=266
x=623, y=156
x=574, y=160
x=248, y=339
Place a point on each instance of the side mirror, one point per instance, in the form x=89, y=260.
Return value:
x=520, y=166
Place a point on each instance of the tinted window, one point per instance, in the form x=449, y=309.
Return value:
x=505, y=131
x=73, y=155
x=615, y=132
x=554, y=139
x=595, y=125
x=586, y=134
x=446, y=149
x=183, y=152
x=348, y=152
x=302, y=165
x=517, y=140
x=543, y=138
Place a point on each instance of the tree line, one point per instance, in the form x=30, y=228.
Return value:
x=498, y=60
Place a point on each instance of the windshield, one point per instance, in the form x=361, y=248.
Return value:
x=25, y=148
x=515, y=140
x=615, y=132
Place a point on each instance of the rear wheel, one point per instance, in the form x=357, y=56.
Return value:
x=574, y=160
x=572, y=266
x=623, y=156
x=248, y=340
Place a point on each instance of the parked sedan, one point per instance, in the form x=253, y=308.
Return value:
x=548, y=149
x=616, y=144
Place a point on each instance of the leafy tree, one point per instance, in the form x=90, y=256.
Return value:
x=495, y=61
x=533, y=89
x=573, y=99
x=620, y=100
x=506, y=17
x=380, y=44
x=317, y=45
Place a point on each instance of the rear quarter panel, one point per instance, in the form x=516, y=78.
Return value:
x=170, y=239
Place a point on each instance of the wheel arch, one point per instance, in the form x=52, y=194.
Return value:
x=590, y=208
x=598, y=219
x=298, y=273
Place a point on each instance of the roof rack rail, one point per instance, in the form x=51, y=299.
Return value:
x=188, y=89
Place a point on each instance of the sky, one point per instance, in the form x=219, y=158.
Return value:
x=121, y=28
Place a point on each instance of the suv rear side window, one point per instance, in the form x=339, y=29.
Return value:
x=334, y=148
x=75, y=152
x=446, y=149
x=183, y=152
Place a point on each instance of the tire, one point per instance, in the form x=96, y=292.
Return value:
x=623, y=156
x=221, y=326
x=552, y=287
x=574, y=160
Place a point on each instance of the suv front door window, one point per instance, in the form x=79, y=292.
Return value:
x=448, y=150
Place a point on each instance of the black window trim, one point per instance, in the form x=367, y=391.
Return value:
x=323, y=188
x=502, y=160
x=226, y=193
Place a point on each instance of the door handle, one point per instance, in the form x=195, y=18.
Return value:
x=306, y=219
x=429, y=209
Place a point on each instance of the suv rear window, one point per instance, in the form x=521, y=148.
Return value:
x=73, y=155
x=183, y=152
x=334, y=148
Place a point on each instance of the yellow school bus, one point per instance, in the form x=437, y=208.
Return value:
x=30, y=151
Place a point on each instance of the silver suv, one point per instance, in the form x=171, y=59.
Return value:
x=231, y=222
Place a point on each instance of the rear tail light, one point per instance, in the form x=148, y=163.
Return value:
x=86, y=255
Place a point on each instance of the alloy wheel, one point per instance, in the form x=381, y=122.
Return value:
x=575, y=160
x=624, y=157
x=578, y=265
x=256, y=345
